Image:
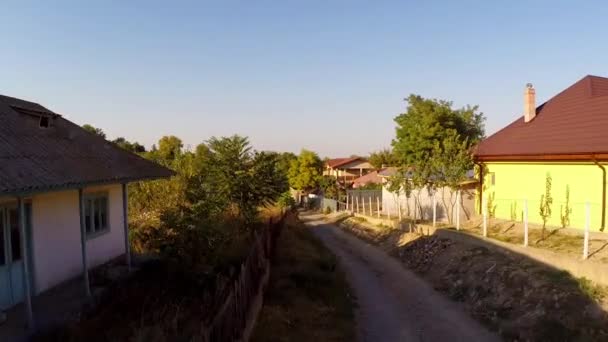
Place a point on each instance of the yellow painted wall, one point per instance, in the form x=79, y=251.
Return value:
x=514, y=182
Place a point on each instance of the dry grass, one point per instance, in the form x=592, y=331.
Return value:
x=556, y=239
x=308, y=298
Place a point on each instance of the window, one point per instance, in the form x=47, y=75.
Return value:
x=96, y=214
x=44, y=122
x=492, y=178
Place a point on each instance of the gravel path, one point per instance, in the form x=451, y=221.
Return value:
x=394, y=304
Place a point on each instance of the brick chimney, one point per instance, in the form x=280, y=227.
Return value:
x=529, y=103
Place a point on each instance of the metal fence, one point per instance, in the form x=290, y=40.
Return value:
x=236, y=298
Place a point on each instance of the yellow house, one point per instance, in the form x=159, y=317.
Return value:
x=559, y=148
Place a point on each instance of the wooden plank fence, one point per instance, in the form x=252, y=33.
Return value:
x=239, y=299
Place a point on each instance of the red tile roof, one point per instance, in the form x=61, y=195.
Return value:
x=35, y=159
x=370, y=178
x=573, y=124
x=333, y=163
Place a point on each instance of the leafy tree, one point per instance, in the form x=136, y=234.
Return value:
x=546, y=200
x=305, y=172
x=96, y=131
x=134, y=147
x=169, y=147
x=451, y=160
x=425, y=130
x=383, y=158
x=329, y=186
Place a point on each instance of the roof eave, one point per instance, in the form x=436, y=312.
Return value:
x=73, y=186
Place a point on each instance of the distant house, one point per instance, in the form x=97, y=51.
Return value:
x=368, y=179
x=564, y=138
x=63, y=200
x=347, y=169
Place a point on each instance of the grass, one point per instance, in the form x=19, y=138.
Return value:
x=308, y=298
x=592, y=290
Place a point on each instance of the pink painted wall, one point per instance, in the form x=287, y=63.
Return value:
x=56, y=236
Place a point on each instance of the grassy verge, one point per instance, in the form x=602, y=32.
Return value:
x=308, y=298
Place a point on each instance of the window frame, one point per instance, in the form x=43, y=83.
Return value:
x=90, y=201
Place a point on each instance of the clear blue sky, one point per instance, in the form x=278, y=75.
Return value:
x=325, y=75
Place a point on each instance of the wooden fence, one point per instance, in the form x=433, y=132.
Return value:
x=238, y=300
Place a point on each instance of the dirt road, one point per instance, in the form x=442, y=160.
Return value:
x=394, y=303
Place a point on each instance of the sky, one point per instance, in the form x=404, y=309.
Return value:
x=329, y=75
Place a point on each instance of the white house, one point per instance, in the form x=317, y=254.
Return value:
x=63, y=200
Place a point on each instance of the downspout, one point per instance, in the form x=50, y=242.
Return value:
x=481, y=185
x=603, y=193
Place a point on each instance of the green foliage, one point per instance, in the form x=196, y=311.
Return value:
x=383, y=158
x=329, y=186
x=286, y=200
x=566, y=210
x=545, y=203
x=491, y=205
x=514, y=212
x=96, y=131
x=134, y=147
x=370, y=186
x=219, y=186
x=327, y=210
x=435, y=139
x=305, y=172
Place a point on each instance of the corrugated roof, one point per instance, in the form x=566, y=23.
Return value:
x=574, y=122
x=36, y=159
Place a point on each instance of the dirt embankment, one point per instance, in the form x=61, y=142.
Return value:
x=518, y=297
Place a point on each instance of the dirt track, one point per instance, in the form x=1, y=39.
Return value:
x=394, y=303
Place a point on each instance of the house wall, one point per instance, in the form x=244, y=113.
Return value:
x=515, y=182
x=56, y=236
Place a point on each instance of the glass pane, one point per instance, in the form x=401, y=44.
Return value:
x=13, y=217
x=104, y=212
x=87, y=215
x=96, y=217
x=2, y=242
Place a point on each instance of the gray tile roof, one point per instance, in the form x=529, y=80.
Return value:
x=35, y=159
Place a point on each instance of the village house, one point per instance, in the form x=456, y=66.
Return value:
x=347, y=169
x=563, y=139
x=63, y=201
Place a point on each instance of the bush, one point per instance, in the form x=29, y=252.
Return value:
x=286, y=200
x=327, y=210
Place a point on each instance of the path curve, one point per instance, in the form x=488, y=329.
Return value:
x=394, y=304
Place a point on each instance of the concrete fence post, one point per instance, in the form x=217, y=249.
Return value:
x=434, y=209
x=346, y=202
x=458, y=210
x=363, y=204
x=587, y=224
x=357, y=198
x=485, y=216
x=378, y=206
x=371, y=211
x=388, y=211
x=525, y=223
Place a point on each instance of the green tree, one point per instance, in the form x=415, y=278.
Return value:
x=134, y=147
x=451, y=161
x=169, y=147
x=305, y=172
x=383, y=158
x=96, y=131
x=425, y=129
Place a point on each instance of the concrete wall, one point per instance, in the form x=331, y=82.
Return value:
x=514, y=182
x=392, y=201
x=56, y=236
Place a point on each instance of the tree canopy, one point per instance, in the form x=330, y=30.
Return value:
x=94, y=130
x=306, y=171
x=383, y=158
